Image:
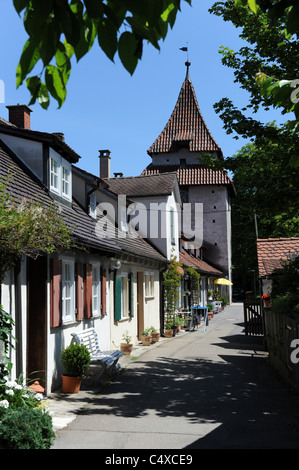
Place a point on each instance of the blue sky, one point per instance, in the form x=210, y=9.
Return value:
x=107, y=108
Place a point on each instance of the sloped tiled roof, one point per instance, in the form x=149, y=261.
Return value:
x=187, y=125
x=53, y=139
x=144, y=185
x=193, y=174
x=189, y=260
x=24, y=185
x=273, y=252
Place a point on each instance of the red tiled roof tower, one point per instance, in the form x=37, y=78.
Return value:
x=185, y=125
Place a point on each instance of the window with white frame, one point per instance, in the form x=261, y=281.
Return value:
x=96, y=289
x=149, y=279
x=125, y=295
x=68, y=291
x=93, y=205
x=60, y=176
x=172, y=228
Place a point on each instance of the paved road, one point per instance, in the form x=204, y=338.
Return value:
x=200, y=390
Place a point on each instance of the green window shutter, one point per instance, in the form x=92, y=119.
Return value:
x=131, y=295
x=117, y=298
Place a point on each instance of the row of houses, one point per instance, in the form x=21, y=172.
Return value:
x=125, y=229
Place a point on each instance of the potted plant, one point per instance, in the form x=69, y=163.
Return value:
x=210, y=311
x=267, y=300
x=154, y=334
x=127, y=346
x=146, y=337
x=168, y=331
x=76, y=361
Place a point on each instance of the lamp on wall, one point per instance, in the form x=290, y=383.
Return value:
x=115, y=265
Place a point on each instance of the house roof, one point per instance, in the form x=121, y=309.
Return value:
x=193, y=175
x=186, y=125
x=203, y=267
x=25, y=185
x=144, y=185
x=54, y=140
x=273, y=252
x=22, y=184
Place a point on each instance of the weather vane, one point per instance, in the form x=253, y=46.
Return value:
x=187, y=63
x=185, y=49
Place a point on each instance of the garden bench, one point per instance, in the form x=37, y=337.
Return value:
x=108, y=360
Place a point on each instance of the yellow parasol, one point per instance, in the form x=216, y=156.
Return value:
x=222, y=280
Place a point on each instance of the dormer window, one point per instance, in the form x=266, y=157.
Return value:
x=60, y=176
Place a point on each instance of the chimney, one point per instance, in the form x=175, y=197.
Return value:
x=19, y=115
x=104, y=163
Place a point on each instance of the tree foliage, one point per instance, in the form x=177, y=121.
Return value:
x=267, y=189
x=28, y=228
x=61, y=29
x=284, y=92
x=269, y=51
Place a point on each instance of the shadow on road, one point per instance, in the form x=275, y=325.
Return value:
x=239, y=394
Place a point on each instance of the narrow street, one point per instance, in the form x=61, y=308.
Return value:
x=208, y=389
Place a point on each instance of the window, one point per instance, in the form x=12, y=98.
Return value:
x=60, y=176
x=96, y=290
x=93, y=205
x=66, y=179
x=54, y=174
x=149, y=284
x=172, y=231
x=68, y=291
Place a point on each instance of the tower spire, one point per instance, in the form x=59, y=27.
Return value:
x=187, y=63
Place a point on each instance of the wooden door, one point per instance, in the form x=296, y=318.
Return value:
x=37, y=320
x=140, y=304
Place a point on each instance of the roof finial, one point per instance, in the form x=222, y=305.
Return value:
x=187, y=63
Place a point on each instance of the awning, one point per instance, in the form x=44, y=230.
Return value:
x=222, y=280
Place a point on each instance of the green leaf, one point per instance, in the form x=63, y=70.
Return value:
x=55, y=84
x=20, y=5
x=127, y=48
x=43, y=96
x=33, y=84
x=94, y=8
x=30, y=56
x=107, y=37
x=87, y=36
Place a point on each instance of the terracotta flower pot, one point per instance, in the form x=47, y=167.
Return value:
x=126, y=348
x=71, y=384
x=168, y=333
x=146, y=340
x=155, y=336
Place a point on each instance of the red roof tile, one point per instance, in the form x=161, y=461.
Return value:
x=272, y=252
x=187, y=125
x=192, y=175
x=191, y=261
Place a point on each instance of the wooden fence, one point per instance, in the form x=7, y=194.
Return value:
x=253, y=321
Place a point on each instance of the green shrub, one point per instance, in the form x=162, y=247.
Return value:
x=75, y=359
x=26, y=428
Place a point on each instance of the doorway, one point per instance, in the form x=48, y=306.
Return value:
x=37, y=320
